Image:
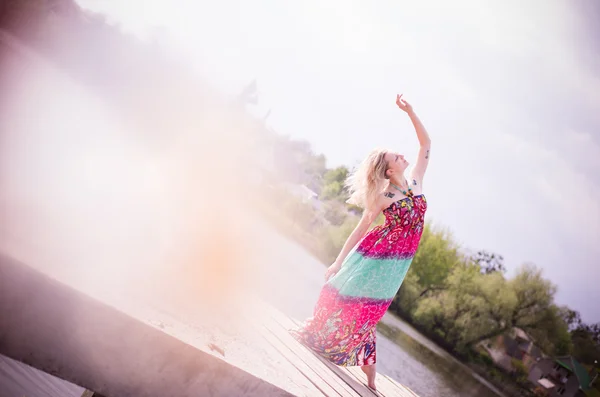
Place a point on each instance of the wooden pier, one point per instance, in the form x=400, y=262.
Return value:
x=324, y=378
x=128, y=346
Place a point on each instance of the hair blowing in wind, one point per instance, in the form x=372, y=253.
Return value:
x=368, y=180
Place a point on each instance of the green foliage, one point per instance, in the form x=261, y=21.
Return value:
x=296, y=162
x=332, y=191
x=332, y=238
x=534, y=293
x=436, y=256
x=552, y=333
x=301, y=214
x=486, y=359
x=409, y=293
x=585, y=343
x=520, y=370
x=518, y=366
x=333, y=184
x=335, y=212
x=338, y=174
x=476, y=306
x=571, y=317
x=455, y=311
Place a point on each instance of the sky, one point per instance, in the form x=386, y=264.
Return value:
x=509, y=92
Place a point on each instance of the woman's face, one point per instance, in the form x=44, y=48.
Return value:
x=397, y=164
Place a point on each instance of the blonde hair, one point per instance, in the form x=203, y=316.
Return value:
x=366, y=182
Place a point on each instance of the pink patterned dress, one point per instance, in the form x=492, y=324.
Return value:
x=351, y=303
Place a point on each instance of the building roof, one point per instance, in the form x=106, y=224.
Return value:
x=519, y=333
x=535, y=352
x=510, y=346
x=571, y=364
x=546, y=383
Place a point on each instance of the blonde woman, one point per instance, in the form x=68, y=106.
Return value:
x=361, y=283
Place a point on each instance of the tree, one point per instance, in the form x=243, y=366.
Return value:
x=334, y=184
x=332, y=238
x=534, y=296
x=552, y=333
x=433, y=261
x=471, y=305
x=571, y=317
x=586, y=343
x=489, y=262
x=335, y=213
x=475, y=306
x=296, y=162
x=448, y=311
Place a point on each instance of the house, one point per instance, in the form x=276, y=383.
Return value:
x=516, y=344
x=304, y=194
x=561, y=377
x=526, y=350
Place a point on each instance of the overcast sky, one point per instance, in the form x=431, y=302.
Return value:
x=509, y=91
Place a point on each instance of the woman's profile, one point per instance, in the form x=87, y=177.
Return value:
x=362, y=282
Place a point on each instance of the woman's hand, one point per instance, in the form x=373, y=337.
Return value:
x=402, y=104
x=332, y=270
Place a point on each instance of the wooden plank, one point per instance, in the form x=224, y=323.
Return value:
x=407, y=390
x=318, y=378
x=359, y=384
x=244, y=345
x=19, y=379
x=341, y=379
x=351, y=381
x=304, y=353
x=385, y=385
x=361, y=387
x=388, y=387
x=37, y=318
x=311, y=384
x=395, y=388
x=285, y=323
x=287, y=372
x=89, y=393
x=255, y=318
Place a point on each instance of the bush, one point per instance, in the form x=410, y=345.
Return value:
x=335, y=212
x=331, y=239
x=520, y=369
x=487, y=360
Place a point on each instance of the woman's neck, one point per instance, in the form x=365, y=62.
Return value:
x=400, y=182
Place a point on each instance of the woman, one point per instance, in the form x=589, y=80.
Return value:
x=361, y=283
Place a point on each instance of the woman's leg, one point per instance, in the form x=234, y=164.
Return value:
x=371, y=371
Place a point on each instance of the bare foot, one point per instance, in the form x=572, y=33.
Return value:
x=371, y=371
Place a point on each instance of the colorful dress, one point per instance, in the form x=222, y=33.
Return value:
x=351, y=303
